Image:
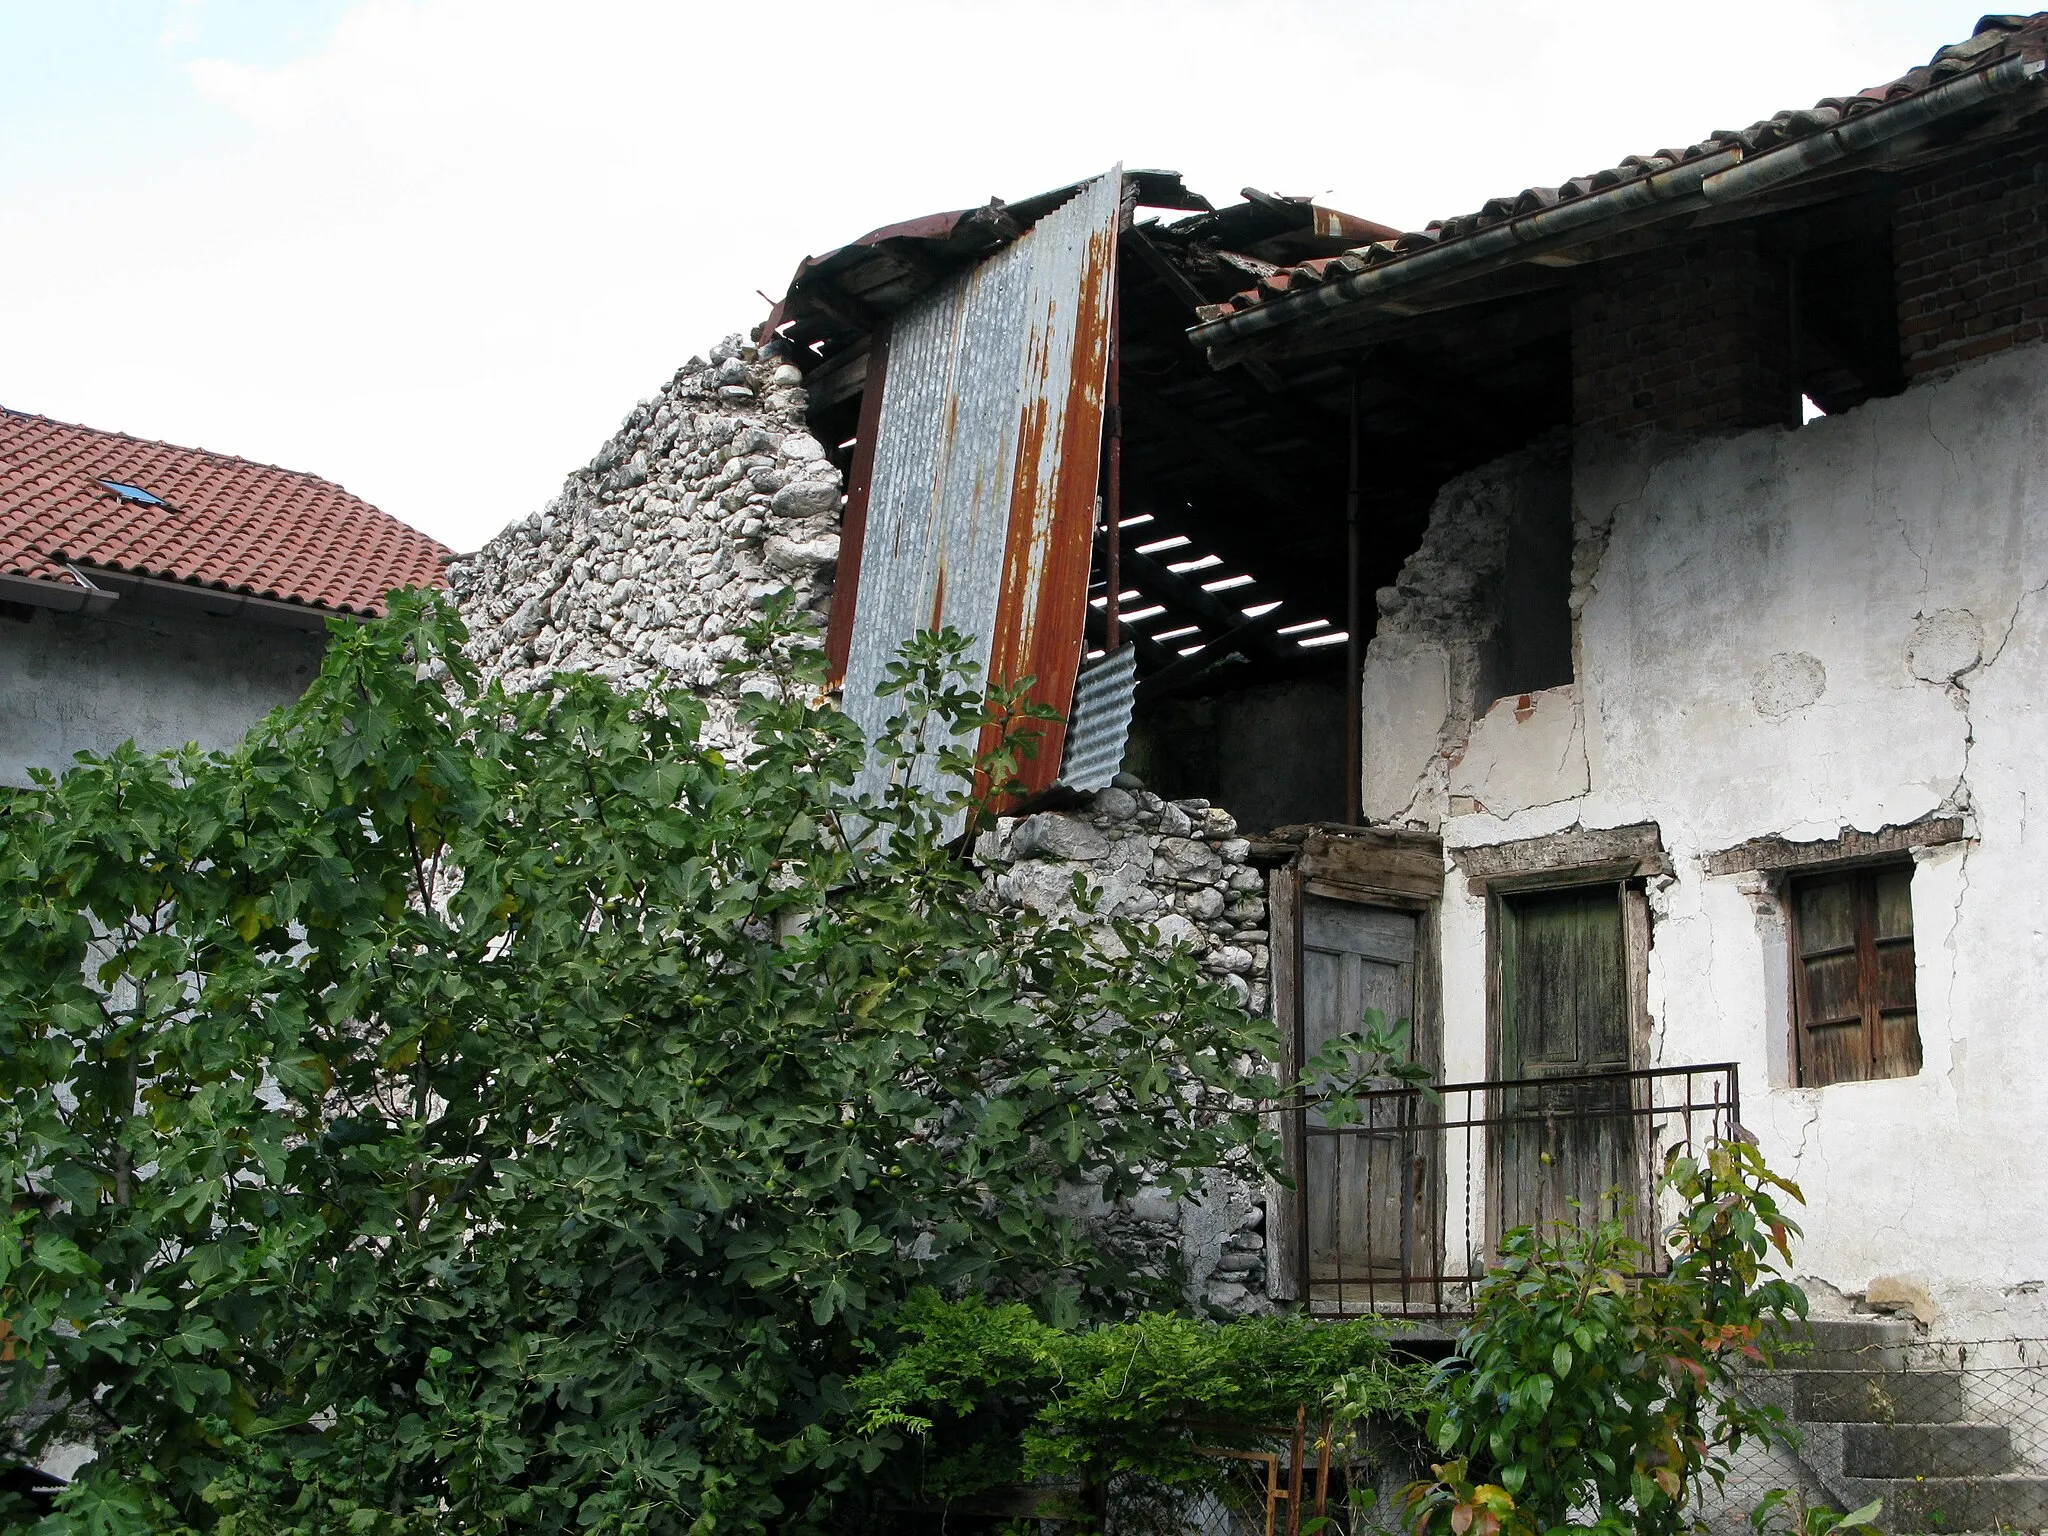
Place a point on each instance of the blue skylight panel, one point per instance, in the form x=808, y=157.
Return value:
x=134, y=493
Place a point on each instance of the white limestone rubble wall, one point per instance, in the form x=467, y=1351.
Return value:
x=711, y=496
x=1178, y=868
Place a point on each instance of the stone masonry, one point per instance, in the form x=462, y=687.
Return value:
x=710, y=497
x=1179, y=868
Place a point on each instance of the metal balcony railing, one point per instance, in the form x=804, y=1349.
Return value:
x=1402, y=1210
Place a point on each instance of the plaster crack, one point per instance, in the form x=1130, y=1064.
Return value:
x=1927, y=416
x=1808, y=1126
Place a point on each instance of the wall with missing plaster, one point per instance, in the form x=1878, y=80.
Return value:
x=1793, y=633
x=1479, y=611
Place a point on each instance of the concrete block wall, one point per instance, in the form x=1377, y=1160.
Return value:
x=1971, y=243
x=1691, y=338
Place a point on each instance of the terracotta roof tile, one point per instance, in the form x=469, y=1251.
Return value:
x=220, y=521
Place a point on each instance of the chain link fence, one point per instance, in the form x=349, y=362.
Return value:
x=1949, y=1436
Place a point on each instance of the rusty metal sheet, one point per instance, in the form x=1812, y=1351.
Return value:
x=981, y=500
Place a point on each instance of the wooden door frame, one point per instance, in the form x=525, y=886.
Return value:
x=1371, y=867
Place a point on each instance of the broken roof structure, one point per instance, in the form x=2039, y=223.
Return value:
x=1275, y=391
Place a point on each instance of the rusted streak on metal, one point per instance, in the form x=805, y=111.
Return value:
x=1042, y=611
x=981, y=511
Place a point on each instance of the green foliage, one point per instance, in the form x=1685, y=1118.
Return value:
x=1579, y=1388
x=991, y=1395
x=1782, y=1513
x=456, y=1111
x=1376, y=1055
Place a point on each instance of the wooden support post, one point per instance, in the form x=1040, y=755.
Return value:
x=1294, y=1475
x=1354, y=644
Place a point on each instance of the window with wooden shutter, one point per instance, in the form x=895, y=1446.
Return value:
x=1852, y=982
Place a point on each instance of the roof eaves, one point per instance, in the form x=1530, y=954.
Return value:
x=2006, y=53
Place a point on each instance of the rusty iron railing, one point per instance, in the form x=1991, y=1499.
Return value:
x=1402, y=1210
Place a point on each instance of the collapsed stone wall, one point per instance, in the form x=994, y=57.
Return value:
x=711, y=496
x=1178, y=868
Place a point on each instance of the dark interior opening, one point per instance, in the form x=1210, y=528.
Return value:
x=1234, y=582
x=1235, y=577
x=1844, y=302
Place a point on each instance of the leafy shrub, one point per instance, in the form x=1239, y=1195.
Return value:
x=1578, y=1391
x=990, y=1395
x=455, y=1111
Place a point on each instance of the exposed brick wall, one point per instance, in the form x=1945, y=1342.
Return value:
x=1971, y=240
x=1691, y=338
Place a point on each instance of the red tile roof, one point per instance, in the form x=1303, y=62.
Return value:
x=224, y=523
x=1995, y=38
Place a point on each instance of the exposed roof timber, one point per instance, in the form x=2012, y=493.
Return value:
x=1247, y=632
x=1721, y=178
x=1176, y=283
x=1210, y=609
x=840, y=377
x=1156, y=657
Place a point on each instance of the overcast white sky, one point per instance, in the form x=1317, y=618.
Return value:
x=436, y=249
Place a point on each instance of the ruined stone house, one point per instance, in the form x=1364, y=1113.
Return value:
x=1600, y=630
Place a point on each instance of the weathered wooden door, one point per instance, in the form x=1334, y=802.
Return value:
x=1565, y=1150
x=1366, y=1184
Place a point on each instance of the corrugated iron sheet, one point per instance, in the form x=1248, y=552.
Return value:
x=981, y=504
x=1099, y=725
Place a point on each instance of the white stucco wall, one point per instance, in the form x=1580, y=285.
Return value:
x=1794, y=632
x=76, y=682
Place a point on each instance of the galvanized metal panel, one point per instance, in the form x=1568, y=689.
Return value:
x=1099, y=725
x=981, y=505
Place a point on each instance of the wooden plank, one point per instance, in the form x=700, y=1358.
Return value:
x=1763, y=853
x=1612, y=852
x=1635, y=934
x=1285, y=1211
x=840, y=377
x=1375, y=860
x=854, y=521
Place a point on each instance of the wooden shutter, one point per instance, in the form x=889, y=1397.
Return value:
x=1853, y=976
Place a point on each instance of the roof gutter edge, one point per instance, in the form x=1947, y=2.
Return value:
x=57, y=596
x=1791, y=161
x=1719, y=179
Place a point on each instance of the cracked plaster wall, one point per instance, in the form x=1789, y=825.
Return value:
x=1797, y=632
